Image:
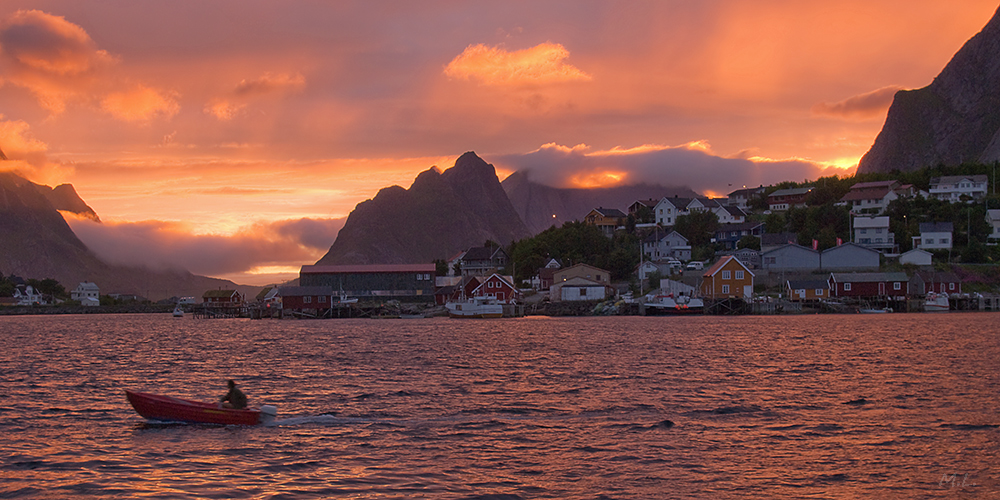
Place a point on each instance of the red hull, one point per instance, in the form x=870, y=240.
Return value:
x=171, y=409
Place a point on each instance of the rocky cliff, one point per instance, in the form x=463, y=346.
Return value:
x=441, y=214
x=955, y=119
x=36, y=242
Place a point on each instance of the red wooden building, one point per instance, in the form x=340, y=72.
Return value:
x=868, y=284
x=222, y=298
x=301, y=298
x=498, y=287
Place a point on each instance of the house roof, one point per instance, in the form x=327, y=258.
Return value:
x=218, y=294
x=610, y=212
x=579, y=281
x=868, y=277
x=747, y=192
x=304, y=291
x=87, y=285
x=656, y=236
x=481, y=253
x=954, y=179
x=936, y=227
x=875, y=193
x=850, y=246
x=370, y=268
x=739, y=226
x=807, y=284
x=649, y=203
x=719, y=264
x=733, y=210
x=790, y=192
x=794, y=246
x=993, y=214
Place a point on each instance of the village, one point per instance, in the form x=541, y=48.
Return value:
x=751, y=271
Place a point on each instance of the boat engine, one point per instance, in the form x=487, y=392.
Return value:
x=267, y=414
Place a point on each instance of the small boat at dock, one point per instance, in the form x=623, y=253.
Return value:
x=936, y=302
x=171, y=409
x=476, y=307
x=671, y=305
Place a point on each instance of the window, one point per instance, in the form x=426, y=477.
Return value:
x=322, y=299
x=847, y=287
x=944, y=241
x=726, y=275
x=739, y=275
x=864, y=231
x=951, y=286
x=897, y=286
x=725, y=288
x=819, y=292
x=307, y=299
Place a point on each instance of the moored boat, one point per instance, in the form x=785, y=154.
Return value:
x=171, y=409
x=476, y=307
x=178, y=312
x=936, y=302
x=668, y=304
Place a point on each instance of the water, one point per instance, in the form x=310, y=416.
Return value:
x=863, y=406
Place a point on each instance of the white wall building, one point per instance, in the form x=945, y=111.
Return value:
x=993, y=219
x=953, y=187
x=934, y=236
x=873, y=232
x=87, y=293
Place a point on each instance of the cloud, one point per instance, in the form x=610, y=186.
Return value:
x=17, y=143
x=692, y=165
x=269, y=84
x=865, y=106
x=141, y=103
x=171, y=245
x=50, y=56
x=496, y=66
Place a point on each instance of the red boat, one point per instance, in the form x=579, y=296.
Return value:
x=171, y=409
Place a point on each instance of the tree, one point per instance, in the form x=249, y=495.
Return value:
x=440, y=267
x=749, y=241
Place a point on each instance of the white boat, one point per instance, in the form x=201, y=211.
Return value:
x=936, y=302
x=178, y=312
x=669, y=304
x=476, y=307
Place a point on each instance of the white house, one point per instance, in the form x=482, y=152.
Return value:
x=666, y=211
x=730, y=214
x=741, y=197
x=934, y=236
x=87, y=293
x=953, y=187
x=575, y=289
x=873, y=232
x=667, y=245
x=871, y=197
x=916, y=257
x=28, y=297
x=993, y=219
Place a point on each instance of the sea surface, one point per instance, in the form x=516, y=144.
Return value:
x=827, y=406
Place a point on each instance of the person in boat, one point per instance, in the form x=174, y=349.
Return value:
x=234, y=398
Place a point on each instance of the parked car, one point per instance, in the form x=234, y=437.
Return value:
x=694, y=265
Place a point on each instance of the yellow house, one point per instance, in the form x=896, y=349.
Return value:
x=606, y=219
x=727, y=278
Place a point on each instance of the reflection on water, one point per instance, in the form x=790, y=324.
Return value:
x=888, y=406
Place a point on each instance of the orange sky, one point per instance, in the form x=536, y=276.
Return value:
x=253, y=127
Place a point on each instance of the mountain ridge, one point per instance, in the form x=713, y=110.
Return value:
x=952, y=120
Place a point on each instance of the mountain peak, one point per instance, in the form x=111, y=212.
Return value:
x=950, y=121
